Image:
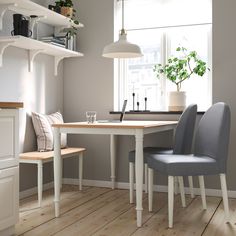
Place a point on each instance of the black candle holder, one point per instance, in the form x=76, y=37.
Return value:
x=133, y=95
x=137, y=106
x=145, y=104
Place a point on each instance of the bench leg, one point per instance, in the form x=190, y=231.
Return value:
x=40, y=182
x=80, y=170
x=61, y=173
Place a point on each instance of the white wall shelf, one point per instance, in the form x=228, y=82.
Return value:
x=28, y=8
x=35, y=47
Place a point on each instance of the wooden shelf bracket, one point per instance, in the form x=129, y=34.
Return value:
x=3, y=46
x=57, y=60
x=3, y=9
x=31, y=55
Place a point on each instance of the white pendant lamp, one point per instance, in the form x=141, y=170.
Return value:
x=122, y=48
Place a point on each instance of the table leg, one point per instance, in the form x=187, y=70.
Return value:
x=57, y=169
x=139, y=174
x=40, y=182
x=113, y=159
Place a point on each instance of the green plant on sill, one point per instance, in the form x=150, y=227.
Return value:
x=179, y=69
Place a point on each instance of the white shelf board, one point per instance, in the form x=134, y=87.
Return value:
x=35, y=47
x=28, y=8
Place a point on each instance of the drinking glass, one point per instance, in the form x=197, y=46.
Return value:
x=91, y=116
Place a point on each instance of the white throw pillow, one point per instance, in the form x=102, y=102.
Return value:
x=43, y=129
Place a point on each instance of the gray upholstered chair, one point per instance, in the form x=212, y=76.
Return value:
x=209, y=158
x=182, y=145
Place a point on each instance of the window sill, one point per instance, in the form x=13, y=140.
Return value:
x=153, y=112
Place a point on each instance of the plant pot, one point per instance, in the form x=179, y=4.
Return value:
x=177, y=101
x=67, y=11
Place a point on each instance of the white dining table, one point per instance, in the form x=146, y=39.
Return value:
x=135, y=128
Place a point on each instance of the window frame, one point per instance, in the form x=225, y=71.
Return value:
x=119, y=81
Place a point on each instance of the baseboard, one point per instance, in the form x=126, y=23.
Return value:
x=32, y=191
x=8, y=231
x=121, y=185
x=159, y=188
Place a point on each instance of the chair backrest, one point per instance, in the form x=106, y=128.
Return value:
x=212, y=136
x=184, y=131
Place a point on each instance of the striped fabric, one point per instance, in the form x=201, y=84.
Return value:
x=43, y=130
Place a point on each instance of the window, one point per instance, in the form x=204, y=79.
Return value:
x=177, y=26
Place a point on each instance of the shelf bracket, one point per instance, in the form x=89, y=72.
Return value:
x=3, y=46
x=31, y=55
x=56, y=64
x=3, y=9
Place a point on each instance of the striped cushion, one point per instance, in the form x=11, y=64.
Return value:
x=42, y=126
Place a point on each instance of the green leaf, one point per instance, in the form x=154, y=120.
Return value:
x=178, y=69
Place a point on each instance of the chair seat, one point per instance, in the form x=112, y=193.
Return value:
x=183, y=165
x=150, y=150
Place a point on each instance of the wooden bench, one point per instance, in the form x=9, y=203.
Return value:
x=42, y=157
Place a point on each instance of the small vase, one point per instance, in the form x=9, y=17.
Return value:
x=177, y=101
x=71, y=42
x=67, y=11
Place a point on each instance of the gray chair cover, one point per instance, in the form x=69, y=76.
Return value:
x=183, y=136
x=210, y=147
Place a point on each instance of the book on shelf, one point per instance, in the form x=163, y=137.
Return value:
x=56, y=40
x=58, y=44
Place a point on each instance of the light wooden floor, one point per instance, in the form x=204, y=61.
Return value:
x=102, y=211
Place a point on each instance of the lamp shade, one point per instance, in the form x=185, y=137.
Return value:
x=122, y=48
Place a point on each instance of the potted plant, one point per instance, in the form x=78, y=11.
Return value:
x=67, y=9
x=177, y=70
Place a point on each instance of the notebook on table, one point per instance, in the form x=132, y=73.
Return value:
x=121, y=115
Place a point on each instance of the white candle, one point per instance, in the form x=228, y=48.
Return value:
x=145, y=92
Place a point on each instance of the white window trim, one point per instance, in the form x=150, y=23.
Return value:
x=120, y=88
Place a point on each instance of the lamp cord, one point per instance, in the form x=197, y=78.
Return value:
x=123, y=15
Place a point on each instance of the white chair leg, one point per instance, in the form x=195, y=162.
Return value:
x=182, y=193
x=203, y=194
x=190, y=183
x=150, y=188
x=131, y=182
x=176, y=185
x=225, y=196
x=40, y=182
x=170, y=200
x=146, y=177
x=80, y=171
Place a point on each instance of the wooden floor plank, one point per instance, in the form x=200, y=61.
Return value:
x=58, y=224
x=191, y=220
x=44, y=214
x=126, y=223
x=106, y=212
x=30, y=204
x=218, y=225
x=104, y=215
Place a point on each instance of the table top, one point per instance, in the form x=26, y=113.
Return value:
x=131, y=124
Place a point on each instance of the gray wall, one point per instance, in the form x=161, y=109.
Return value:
x=40, y=91
x=224, y=64
x=88, y=85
